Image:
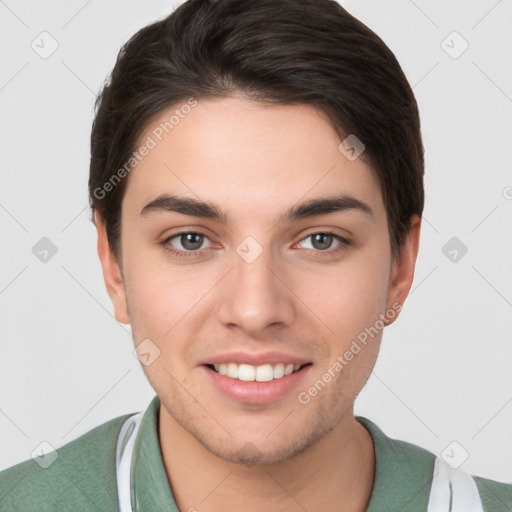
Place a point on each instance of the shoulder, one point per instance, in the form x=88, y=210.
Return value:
x=83, y=473
x=406, y=470
x=495, y=496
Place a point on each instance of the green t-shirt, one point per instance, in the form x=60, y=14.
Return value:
x=83, y=476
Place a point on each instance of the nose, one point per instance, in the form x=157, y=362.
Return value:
x=256, y=297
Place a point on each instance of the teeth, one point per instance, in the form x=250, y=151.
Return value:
x=232, y=370
x=246, y=372
x=278, y=371
x=264, y=373
x=250, y=373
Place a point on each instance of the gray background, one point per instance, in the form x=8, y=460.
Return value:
x=443, y=374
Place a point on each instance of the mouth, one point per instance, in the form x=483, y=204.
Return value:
x=262, y=373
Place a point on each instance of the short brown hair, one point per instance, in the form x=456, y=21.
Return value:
x=274, y=51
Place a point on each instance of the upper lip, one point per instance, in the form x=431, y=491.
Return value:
x=255, y=358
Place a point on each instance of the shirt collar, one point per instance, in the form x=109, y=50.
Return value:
x=403, y=471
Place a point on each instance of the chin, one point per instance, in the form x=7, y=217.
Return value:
x=260, y=451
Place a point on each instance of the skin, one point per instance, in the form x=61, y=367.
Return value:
x=255, y=162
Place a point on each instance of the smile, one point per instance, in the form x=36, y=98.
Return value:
x=250, y=373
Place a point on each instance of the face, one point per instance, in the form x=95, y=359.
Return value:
x=244, y=275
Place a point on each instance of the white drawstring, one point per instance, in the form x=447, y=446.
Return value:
x=453, y=490
x=124, y=455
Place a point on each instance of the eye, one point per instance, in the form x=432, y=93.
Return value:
x=190, y=241
x=321, y=242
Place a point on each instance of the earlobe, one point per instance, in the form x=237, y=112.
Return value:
x=111, y=272
x=402, y=271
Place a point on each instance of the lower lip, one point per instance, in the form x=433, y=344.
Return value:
x=256, y=392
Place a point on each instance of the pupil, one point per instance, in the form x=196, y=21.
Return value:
x=321, y=237
x=188, y=239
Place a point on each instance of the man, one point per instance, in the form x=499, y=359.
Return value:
x=257, y=186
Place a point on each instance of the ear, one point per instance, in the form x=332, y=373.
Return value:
x=402, y=269
x=111, y=272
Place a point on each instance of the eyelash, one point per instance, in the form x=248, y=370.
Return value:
x=344, y=244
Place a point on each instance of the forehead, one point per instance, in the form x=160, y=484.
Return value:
x=246, y=157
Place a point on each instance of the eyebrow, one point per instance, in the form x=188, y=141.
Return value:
x=166, y=203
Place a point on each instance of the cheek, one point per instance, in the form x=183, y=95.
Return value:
x=349, y=296
x=168, y=305
x=161, y=300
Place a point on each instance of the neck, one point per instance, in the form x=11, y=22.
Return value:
x=336, y=473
